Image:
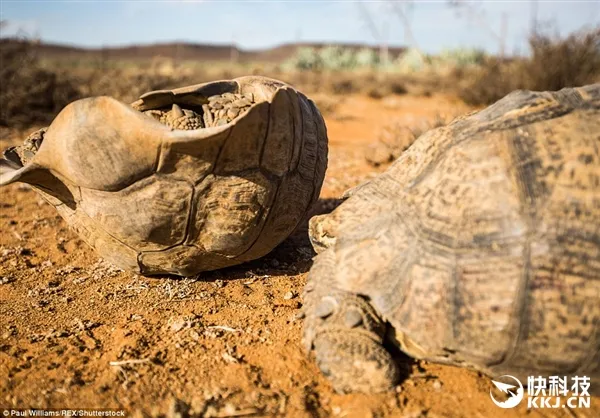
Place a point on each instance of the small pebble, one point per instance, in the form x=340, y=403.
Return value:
x=6, y=279
x=178, y=324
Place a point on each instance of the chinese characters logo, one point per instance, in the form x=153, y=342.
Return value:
x=542, y=392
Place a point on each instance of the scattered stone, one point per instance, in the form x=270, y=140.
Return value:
x=177, y=324
x=229, y=358
x=103, y=269
x=6, y=279
x=41, y=303
x=67, y=270
x=53, y=283
x=10, y=331
x=246, y=290
x=21, y=251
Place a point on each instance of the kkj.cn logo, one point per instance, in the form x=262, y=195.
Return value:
x=514, y=392
x=542, y=392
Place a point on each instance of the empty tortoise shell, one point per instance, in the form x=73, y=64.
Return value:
x=181, y=181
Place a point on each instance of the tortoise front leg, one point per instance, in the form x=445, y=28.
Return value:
x=346, y=334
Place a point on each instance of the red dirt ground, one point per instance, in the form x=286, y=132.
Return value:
x=76, y=332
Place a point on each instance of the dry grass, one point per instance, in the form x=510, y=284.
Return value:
x=33, y=92
x=555, y=63
x=373, y=84
x=123, y=84
x=558, y=63
x=29, y=93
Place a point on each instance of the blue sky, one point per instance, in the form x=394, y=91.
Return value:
x=258, y=24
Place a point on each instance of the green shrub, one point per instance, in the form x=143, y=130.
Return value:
x=333, y=58
x=305, y=59
x=411, y=61
x=461, y=57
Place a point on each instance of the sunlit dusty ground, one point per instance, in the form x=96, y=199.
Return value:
x=76, y=332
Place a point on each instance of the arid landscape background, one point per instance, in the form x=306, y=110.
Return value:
x=76, y=332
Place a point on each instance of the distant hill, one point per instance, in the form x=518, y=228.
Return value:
x=182, y=51
x=283, y=52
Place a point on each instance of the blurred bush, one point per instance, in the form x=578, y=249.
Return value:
x=558, y=63
x=125, y=84
x=459, y=58
x=33, y=91
x=367, y=58
x=29, y=93
x=554, y=63
x=304, y=59
x=412, y=60
x=334, y=58
x=338, y=58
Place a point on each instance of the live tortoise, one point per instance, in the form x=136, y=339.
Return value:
x=478, y=247
x=228, y=174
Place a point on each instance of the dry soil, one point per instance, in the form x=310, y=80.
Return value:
x=76, y=332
